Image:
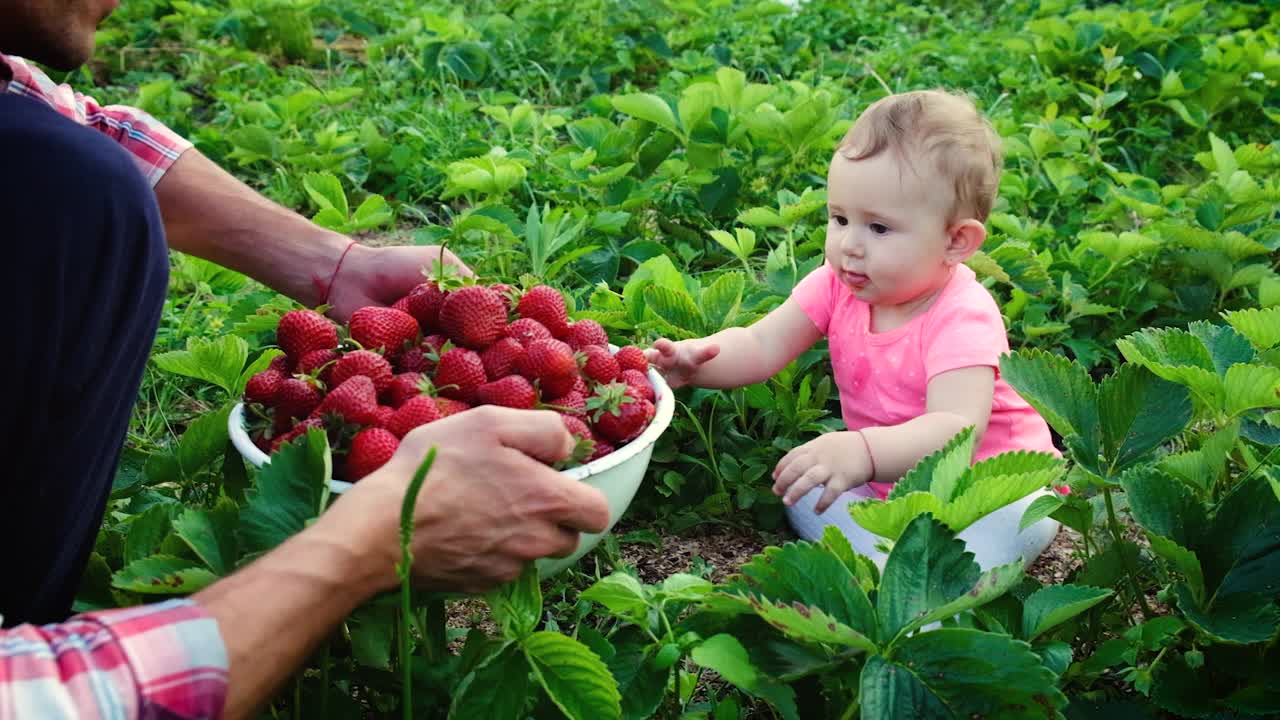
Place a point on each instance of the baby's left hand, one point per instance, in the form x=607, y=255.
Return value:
x=837, y=460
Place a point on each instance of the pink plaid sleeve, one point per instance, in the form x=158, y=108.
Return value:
x=164, y=660
x=153, y=146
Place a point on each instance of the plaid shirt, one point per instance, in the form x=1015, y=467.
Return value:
x=153, y=146
x=163, y=661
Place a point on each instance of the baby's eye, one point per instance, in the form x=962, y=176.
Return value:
x=879, y=228
x=840, y=220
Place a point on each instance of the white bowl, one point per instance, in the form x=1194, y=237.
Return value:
x=618, y=475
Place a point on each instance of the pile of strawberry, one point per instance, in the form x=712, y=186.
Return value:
x=447, y=346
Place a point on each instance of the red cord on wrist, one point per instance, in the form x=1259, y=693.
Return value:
x=870, y=457
x=332, y=278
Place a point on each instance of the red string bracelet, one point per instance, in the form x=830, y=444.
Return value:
x=325, y=300
x=870, y=457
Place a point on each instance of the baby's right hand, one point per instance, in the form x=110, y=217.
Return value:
x=678, y=362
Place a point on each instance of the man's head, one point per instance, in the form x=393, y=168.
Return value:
x=909, y=190
x=58, y=33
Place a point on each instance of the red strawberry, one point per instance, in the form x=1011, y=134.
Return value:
x=527, y=330
x=434, y=343
x=282, y=364
x=415, y=359
x=632, y=357
x=473, y=316
x=585, y=445
x=263, y=387
x=449, y=406
x=511, y=391
x=557, y=385
x=602, y=448
x=639, y=382
x=355, y=401
x=319, y=363
x=383, y=328
x=416, y=411
x=546, y=305
x=367, y=363
x=384, y=415
x=423, y=303
x=574, y=403
x=506, y=292
x=598, y=364
x=619, y=417
x=301, y=331
x=403, y=387
x=580, y=386
x=550, y=358
x=463, y=369
x=371, y=448
x=587, y=332
x=403, y=305
x=298, y=431
x=577, y=427
x=501, y=357
x=296, y=399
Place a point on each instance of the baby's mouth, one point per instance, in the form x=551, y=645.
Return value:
x=854, y=279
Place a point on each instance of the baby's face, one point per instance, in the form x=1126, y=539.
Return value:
x=886, y=228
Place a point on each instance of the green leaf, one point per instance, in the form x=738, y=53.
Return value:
x=1226, y=346
x=725, y=655
x=989, y=493
x=1025, y=269
x=1120, y=248
x=647, y=106
x=1164, y=506
x=575, y=678
x=641, y=682
x=211, y=534
x=959, y=673
x=608, y=177
x=372, y=213
x=927, y=568
x=1241, y=549
x=1051, y=606
x=656, y=271
x=496, y=689
x=685, y=587
x=1224, y=160
x=517, y=606
x=1252, y=386
x=889, y=518
x=807, y=574
x=621, y=593
x=204, y=441
x=1057, y=388
x=993, y=583
x=1139, y=412
x=1039, y=509
x=1261, y=327
x=1239, y=619
x=372, y=628
x=811, y=624
x=326, y=191
x=146, y=532
x=952, y=465
x=1177, y=356
x=1182, y=559
x=163, y=575
x=721, y=301
x=676, y=308
x=291, y=490
x=761, y=217
x=218, y=361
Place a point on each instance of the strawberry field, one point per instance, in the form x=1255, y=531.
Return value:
x=659, y=168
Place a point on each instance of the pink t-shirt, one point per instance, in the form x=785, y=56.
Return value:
x=883, y=377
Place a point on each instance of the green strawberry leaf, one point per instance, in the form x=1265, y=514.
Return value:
x=146, y=531
x=1261, y=327
x=291, y=490
x=1252, y=386
x=722, y=300
x=993, y=583
x=1177, y=356
x=575, y=678
x=927, y=569
x=621, y=594
x=517, y=606
x=953, y=458
x=211, y=534
x=495, y=690
x=959, y=673
x=1057, y=388
x=890, y=518
x=990, y=493
x=810, y=624
x=1051, y=606
x=1239, y=619
x=218, y=361
x=163, y=575
x=650, y=107
x=725, y=655
x=1139, y=412
x=326, y=191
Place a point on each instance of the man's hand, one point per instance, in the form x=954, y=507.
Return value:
x=836, y=460
x=678, y=362
x=382, y=275
x=488, y=505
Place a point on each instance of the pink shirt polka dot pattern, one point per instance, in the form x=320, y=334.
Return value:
x=883, y=377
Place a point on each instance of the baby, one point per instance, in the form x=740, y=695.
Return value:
x=915, y=340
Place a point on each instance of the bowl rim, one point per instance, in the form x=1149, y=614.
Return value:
x=665, y=411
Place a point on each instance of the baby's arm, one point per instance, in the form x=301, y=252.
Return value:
x=955, y=399
x=737, y=356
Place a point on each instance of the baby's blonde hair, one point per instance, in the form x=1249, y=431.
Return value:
x=939, y=126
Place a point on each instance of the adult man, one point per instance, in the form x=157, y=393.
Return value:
x=91, y=200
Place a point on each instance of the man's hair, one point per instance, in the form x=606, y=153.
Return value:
x=942, y=128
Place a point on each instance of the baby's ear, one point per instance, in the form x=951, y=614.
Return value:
x=963, y=240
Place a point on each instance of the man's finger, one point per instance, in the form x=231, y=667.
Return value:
x=537, y=433
x=579, y=506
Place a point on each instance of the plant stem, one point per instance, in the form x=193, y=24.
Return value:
x=437, y=637
x=325, y=661
x=1114, y=523
x=406, y=563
